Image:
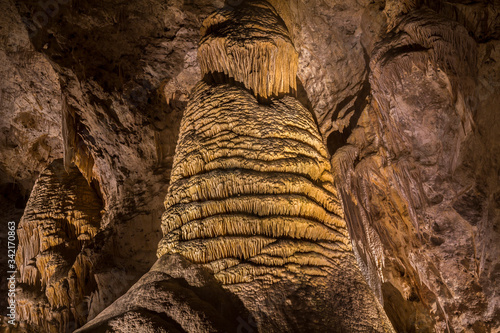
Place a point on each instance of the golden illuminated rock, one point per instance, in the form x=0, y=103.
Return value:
x=62, y=217
x=247, y=173
x=404, y=95
x=402, y=180
x=252, y=202
x=251, y=45
x=75, y=150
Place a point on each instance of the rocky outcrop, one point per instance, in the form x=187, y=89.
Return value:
x=30, y=100
x=412, y=195
x=174, y=296
x=252, y=199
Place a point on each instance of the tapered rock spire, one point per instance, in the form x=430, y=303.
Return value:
x=251, y=201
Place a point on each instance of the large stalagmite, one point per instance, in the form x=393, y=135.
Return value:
x=61, y=218
x=251, y=199
x=404, y=95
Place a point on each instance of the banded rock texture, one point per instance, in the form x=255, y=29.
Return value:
x=240, y=166
x=105, y=83
x=252, y=46
x=61, y=219
x=252, y=200
x=415, y=154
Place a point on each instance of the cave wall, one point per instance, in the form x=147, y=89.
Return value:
x=404, y=94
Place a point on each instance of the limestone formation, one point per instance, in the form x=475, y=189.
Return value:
x=401, y=175
x=61, y=218
x=75, y=150
x=252, y=46
x=252, y=201
x=405, y=97
x=174, y=296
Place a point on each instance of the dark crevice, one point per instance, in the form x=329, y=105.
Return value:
x=217, y=78
x=339, y=139
x=401, y=50
x=342, y=105
x=15, y=194
x=303, y=98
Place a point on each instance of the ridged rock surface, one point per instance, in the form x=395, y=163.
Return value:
x=405, y=95
x=61, y=219
x=252, y=200
x=420, y=206
x=252, y=46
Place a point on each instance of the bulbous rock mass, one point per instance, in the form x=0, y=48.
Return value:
x=251, y=198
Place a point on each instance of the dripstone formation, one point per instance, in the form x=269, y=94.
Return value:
x=62, y=217
x=251, y=166
x=252, y=199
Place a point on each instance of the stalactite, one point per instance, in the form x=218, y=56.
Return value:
x=75, y=150
x=419, y=41
x=423, y=39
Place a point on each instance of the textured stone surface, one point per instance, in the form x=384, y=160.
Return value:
x=418, y=204
x=60, y=221
x=252, y=200
x=250, y=45
x=124, y=77
x=174, y=296
x=30, y=100
x=415, y=156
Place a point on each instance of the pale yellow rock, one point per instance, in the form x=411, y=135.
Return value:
x=61, y=217
x=251, y=45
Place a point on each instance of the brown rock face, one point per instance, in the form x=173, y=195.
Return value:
x=30, y=128
x=411, y=192
x=405, y=95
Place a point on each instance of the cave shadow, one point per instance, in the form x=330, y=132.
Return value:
x=338, y=139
